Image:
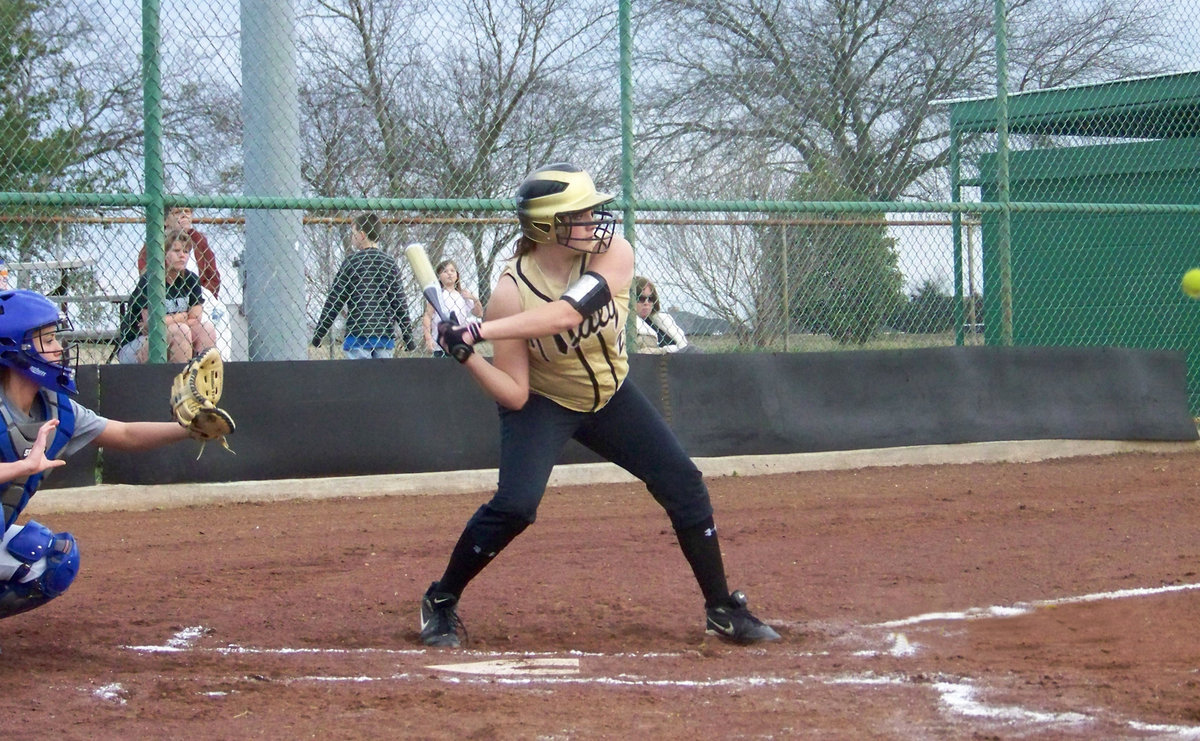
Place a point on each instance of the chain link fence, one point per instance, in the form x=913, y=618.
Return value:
x=813, y=175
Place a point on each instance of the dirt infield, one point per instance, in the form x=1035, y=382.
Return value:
x=994, y=600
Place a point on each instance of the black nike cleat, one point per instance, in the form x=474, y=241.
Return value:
x=439, y=621
x=734, y=623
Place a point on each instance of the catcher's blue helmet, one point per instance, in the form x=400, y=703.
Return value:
x=22, y=314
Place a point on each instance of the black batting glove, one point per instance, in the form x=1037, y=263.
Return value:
x=457, y=339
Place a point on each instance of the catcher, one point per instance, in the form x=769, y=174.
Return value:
x=37, y=380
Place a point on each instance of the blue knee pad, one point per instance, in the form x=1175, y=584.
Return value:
x=62, y=566
x=48, y=563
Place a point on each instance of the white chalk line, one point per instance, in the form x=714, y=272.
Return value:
x=1023, y=608
x=959, y=695
x=180, y=643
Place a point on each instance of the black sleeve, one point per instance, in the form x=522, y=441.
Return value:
x=132, y=318
x=195, y=296
x=335, y=300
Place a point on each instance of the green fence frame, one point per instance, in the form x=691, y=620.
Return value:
x=999, y=115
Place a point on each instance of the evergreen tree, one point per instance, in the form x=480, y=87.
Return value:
x=50, y=136
x=37, y=153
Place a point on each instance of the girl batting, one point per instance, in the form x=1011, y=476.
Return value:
x=556, y=320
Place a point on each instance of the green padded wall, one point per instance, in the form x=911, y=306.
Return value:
x=1094, y=279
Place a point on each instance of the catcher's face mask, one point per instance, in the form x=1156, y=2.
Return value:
x=49, y=350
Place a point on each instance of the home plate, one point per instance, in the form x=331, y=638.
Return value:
x=515, y=667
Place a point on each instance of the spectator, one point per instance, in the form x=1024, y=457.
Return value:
x=179, y=218
x=188, y=332
x=455, y=299
x=657, y=331
x=368, y=287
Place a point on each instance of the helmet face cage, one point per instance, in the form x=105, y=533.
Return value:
x=603, y=225
x=55, y=375
x=551, y=199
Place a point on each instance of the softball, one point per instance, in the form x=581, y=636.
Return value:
x=1191, y=283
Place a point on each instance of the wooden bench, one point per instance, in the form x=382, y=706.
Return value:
x=17, y=270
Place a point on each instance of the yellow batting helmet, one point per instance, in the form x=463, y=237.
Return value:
x=550, y=195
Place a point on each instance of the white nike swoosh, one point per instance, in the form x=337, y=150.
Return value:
x=436, y=602
x=726, y=629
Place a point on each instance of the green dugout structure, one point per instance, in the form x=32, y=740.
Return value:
x=1093, y=251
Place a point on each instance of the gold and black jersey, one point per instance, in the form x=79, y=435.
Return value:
x=582, y=368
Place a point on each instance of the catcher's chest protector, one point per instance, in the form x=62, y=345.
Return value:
x=20, y=438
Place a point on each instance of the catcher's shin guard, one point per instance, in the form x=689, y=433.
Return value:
x=36, y=566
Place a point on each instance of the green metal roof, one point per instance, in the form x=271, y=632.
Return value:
x=1159, y=107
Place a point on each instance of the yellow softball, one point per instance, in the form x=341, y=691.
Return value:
x=1191, y=283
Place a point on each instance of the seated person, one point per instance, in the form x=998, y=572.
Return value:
x=188, y=332
x=657, y=331
x=180, y=218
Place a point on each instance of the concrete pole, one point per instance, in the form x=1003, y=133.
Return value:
x=274, y=265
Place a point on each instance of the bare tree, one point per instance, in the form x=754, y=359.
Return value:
x=338, y=157
x=96, y=91
x=848, y=87
x=837, y=100
x=69, y=121
x=465, y=108
x=363, y=52
x=202, y=134
x=767, y=276
x=714, y=268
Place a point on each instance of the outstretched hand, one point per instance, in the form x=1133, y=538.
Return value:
x=37, y=459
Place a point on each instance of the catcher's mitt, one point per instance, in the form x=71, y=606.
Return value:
x=194, y=396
